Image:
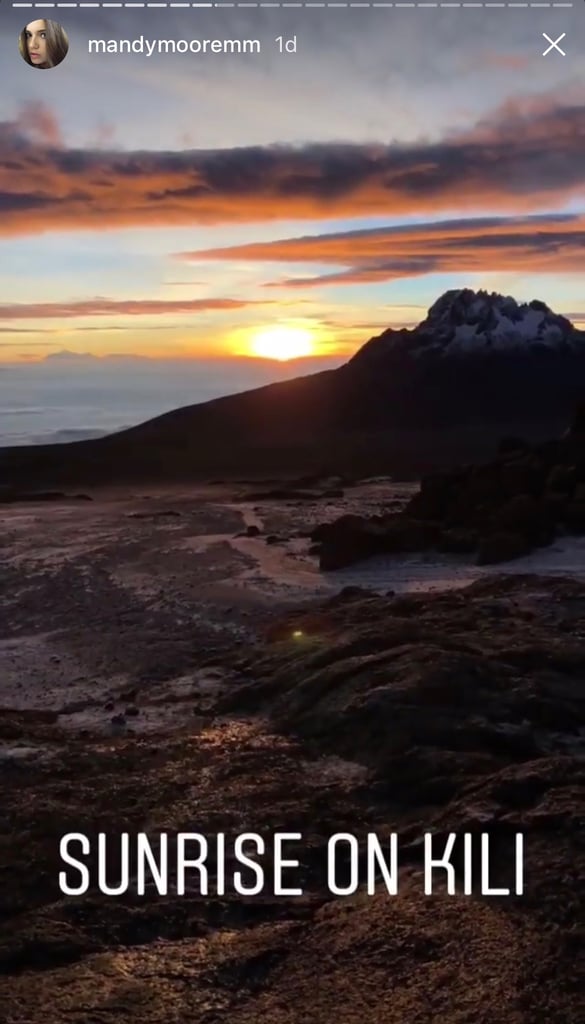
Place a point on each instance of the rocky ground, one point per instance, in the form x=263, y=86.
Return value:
x=496, y=511
x=152, y=682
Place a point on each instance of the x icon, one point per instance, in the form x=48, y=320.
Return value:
x=554, y=45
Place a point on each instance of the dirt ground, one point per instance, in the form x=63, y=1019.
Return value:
x=163, y=671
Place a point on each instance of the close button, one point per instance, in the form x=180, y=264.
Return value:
x=554, y=45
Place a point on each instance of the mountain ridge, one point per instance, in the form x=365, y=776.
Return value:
x=464, y=322
x=479, y=366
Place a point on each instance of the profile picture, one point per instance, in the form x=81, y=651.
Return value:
x=43, y=43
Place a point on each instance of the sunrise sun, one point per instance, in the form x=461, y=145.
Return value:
x=282, y=342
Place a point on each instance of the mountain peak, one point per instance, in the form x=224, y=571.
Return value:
x=464, y=305
x=464, y=322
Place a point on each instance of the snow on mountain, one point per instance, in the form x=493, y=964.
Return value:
x=464, y=322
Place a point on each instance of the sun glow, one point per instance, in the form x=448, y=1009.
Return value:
x=283, y=342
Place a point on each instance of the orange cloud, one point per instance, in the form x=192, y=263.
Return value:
x=40, y=125
x=553, y=243
x=113, y=307
x=525, y=156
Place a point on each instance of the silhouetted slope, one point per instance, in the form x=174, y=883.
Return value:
x=478, y=366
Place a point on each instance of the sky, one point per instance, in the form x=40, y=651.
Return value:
x=268, y=204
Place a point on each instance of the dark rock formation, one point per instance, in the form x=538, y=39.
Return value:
x=500, y=510
x=488, y=670
x=13, y=496
x=462, y=712
x=352, y=538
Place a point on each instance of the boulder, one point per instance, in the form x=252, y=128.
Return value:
x=402, y=534
x=459, y=541
x=352, y=539
x=575, y=517
x=513, y=446
x=526, y=475
x=502, y=547
x=561, y=479
x=577, y=428
x=280, y=494
x=484, y=486
x=555, y=505
x=353, y=546
x=435, y=496
x=526, y=516
x=501, y=509
x=339, y=527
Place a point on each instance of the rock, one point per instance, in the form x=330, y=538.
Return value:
x=445, y=713
x=329, y=531
x=526, y=475
x=459, y=541
x=577, y=428
x=273, y=538
x=526, y=516
x=252, y=531
x=435, y=496
x=483, y=487
x=10, y=496
x=402, y=534
x=335, y=482
x=463, y=677
x=555, y=505
x=353, y=538
x=349, y=593
x=132, y=711
x=280, y=494
x=512, y=446
x=109, y=705
x=574, y=516
x=503, y=508
x=561, y=479
x=502, y=547
x=351, y=542
x=158, y=514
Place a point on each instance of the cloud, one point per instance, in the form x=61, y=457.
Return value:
x=526, y=155
x=25, y=330
x=23, y=344
x=39, y=125
x=502, y=61
x=551, y=243
x=117, y=307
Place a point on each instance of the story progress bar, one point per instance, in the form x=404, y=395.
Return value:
x=307, y=4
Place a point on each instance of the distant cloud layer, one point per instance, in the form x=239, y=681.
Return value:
x=528, y=155
x=550, y=243
x=116, y=307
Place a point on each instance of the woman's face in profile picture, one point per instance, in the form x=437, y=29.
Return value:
x=36, y=42
x=43, y=43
